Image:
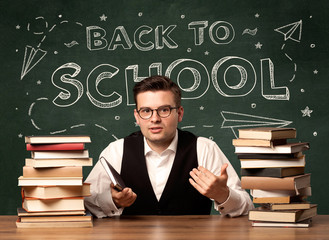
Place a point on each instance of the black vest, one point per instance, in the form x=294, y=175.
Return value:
x=179, y=196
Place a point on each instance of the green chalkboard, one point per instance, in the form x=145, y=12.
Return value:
x=68, y=67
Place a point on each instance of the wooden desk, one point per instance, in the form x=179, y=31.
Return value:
x=168, y=227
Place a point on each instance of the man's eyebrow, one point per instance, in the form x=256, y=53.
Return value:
x=167, y=105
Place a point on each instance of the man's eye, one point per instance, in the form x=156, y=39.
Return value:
x=146, y=110
x=164, y=110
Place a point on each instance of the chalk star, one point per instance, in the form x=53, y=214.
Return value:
x=201, y=108
x=315, y=71
x=18, y=27
x=20, y=135
x=103, y=17
x=257, y=15
x=258, y=45
x=206, y=53
x=307, y=112
x=39, y=82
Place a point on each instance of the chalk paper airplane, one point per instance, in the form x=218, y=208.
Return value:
x=32, y=57
x=292, y=31
x=235, y=120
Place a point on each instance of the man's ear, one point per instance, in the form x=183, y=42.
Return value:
x=180, y=113
x=136, y=116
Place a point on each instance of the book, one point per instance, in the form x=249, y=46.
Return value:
x=53, y=224
x=273, y=163
x=55, y=147
x=61, y=162
x=289, y=206
x=279, y=200
x=291, y=216
x=21, y=212
x=303, y=224
x=49, y=205
x=280, y=193
x=74, y=218
x=51, y=192
x=47, y=139
x=272, y=171
x=269, y=133
x=286, y=148
x=52, y=172
x=270, y=183
x=42, y=181
x=113, y=174
x=264, y=156
x=258, y=142
x=59, y=154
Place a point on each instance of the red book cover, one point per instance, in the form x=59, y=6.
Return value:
x=55, y=147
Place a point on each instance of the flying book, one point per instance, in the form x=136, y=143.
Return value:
x=257, y=142
x=283, y=216
x=272, y=172
x=267, y=133
x=273, y=163
x=303, y=224
x=113, y=174
x=286, y=148
x=48, y=192
x=47, y=139
x=65, y=162
x=59, y=154
x=55, y=147
x=52, y=181
x=270, y=183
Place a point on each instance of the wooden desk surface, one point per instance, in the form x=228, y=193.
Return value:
x=167, y=227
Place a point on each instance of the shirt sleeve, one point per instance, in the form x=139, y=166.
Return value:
x=100, y=203
x=211, y=157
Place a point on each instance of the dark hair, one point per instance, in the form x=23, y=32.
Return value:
x=158, y=83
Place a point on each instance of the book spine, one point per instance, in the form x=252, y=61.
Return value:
x=55, y=147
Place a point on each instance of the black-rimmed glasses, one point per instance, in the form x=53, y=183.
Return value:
x=163, y=112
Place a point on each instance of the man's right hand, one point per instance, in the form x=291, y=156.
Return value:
x=125, y=198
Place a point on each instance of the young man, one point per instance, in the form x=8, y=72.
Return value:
x=166, y=170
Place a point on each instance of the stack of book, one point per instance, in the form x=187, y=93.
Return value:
x=52, y=184
x=273, y=169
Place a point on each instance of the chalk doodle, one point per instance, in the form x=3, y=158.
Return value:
x=292, y=31
x=34, y=55
x=234, y=120
x=251, y=32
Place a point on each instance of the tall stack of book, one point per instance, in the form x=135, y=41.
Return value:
x=52, y=183
x=273, y=169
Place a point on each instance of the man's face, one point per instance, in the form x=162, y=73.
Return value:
x=159, y=132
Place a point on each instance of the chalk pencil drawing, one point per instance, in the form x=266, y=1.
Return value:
x=100, y=73
x=292, y=31
x=235, y=120
x=267, y=73
x=247, y=82
x=307, y=112
x=251, y=32
x=33, y=55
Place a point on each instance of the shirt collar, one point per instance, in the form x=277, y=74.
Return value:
x=172, y=146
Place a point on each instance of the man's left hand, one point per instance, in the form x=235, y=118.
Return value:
x=210, y=185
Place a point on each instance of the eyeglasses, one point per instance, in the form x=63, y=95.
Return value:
x=163, y=112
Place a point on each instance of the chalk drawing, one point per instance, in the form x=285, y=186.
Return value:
x=251, y=32
x=292, y=31
x=33, y=55
x=307, y=112
x=234, y=120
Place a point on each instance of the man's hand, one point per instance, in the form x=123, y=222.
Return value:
x=125, y=198
x=210, y=185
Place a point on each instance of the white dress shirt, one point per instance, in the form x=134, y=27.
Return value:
x=209, y=155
